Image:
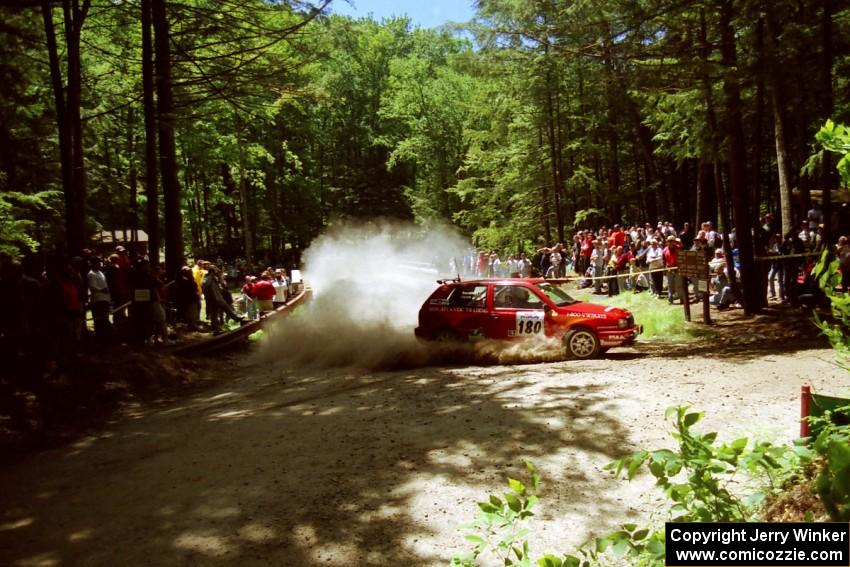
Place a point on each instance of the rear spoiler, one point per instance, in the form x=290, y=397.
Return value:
x=446, y=280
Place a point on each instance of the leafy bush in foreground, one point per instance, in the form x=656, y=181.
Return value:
x=697, y=478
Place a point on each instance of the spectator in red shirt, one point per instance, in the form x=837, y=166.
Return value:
x=671, y=260
x=619, y=236
x=264, y=292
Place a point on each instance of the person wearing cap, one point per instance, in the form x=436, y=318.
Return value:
x=124, y=261
x=618, y=237
x=199, y=270
x=671, y=262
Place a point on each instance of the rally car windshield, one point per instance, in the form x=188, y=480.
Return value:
x=557, y=293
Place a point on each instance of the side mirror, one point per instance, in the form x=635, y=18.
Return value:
x=547, y=310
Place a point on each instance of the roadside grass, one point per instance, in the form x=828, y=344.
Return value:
x=660, y=320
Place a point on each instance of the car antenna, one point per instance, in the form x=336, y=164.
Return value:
x=457, y=268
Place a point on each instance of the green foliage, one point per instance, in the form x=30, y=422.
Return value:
x=836, y=329
x=587, y=216
x=836, y=138
x=14, y=232
x=697, y=477
x=498, y=529
x=20, y=214
x=708, y=469
x=832, y=483
x=561, y=115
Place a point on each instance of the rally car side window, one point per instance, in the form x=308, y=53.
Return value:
x=515, y=297
x=469, y=296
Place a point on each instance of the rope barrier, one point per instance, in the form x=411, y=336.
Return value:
x=622, y=275
x=781, y=257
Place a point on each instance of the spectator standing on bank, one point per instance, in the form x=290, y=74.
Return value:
x=119, y=289
x=249, y=299
x=598, y=261
x=655, y=263
x=671, y=262
x=62, y=306
x=159, y=306
x=100, y=299
x=217, y=307
x=280, y=288
x=188, y=300
x=264, y=292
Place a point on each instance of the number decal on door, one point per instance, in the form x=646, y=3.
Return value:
x=529, y=323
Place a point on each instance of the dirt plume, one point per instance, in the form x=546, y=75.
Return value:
x=368, y=285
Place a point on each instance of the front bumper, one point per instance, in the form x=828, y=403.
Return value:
x=620, y=337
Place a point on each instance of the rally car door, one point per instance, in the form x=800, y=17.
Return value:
x=516, y=311
x=467, y=310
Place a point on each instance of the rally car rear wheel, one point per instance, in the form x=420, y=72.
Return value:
x=582, y=344
x=446, y=336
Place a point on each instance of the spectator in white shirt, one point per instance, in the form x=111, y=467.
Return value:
x=100, y=299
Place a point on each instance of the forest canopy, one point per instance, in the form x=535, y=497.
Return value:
x=244, y=128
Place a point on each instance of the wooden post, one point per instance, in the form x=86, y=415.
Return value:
x=805, y=403
x=706, y=306
x=686, y=299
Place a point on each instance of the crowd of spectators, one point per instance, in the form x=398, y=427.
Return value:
x=645, y=257
x=51, y=305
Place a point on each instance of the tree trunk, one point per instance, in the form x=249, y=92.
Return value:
x=830, y=177
x=759, y=119
x=74, y=17
x=72, y=232
x=724, y=225
x=151, y=170
x=776, y=100
x=753, y=298
x=699, y=207
x=544, y=196
x=567, y=211
x=247, y=233
x=553, y=157
x=133, y=175
x=167, y=149
x=207, y=216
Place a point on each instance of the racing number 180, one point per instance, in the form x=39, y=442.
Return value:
x=530, y=327
x=529, y=323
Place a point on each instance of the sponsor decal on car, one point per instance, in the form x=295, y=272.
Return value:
x=587, y=315
x=457, y=309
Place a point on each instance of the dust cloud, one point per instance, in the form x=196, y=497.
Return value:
x=368, y=284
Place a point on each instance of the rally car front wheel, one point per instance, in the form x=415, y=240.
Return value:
x=582, y=344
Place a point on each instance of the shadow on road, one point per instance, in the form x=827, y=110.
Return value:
x=322, y=467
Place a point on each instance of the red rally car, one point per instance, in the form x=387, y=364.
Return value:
x=520, y=308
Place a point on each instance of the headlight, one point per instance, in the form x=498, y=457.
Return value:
x=623, y=323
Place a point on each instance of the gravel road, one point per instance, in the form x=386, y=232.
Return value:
x=281, y=466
